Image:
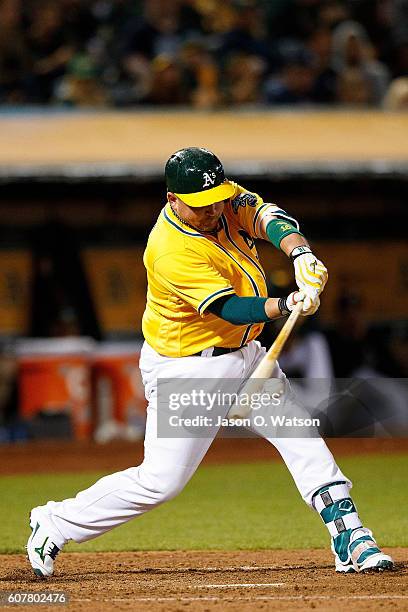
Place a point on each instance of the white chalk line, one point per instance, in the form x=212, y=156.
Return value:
x=224, y=569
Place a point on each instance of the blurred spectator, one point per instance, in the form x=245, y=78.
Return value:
x=332, y=12
x=296, y=80
x=376, y=17
x=243, y=79
x=356, y=66
x=348, y=338
x=15, y=59
x=158, y=32
x=319, y=44
x=244, y=32
x=50, y=48
x=80, y=86
x=151, y=49
x=353, y=88
x=307, y=354
x=166, y=83
x=298, y=19
x=397, y=95
x=201, y=75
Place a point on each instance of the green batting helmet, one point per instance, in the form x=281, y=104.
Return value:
x=196, y=176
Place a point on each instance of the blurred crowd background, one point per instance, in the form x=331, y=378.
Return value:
x=204, y=53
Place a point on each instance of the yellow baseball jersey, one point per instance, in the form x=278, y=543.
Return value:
x=188, y=270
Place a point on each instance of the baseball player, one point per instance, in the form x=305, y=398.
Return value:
x=206, y=304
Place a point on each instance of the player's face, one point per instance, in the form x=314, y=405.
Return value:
x=204, y=218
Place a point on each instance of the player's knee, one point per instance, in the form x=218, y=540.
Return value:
x=163, y=485
x=166, y=490
x=172, y=489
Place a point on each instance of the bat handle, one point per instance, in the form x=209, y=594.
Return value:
x=290, y=323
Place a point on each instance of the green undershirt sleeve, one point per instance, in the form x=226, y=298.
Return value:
x=240, y=310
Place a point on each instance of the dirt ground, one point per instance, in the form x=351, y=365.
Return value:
x=211, y=581
x=198, y=581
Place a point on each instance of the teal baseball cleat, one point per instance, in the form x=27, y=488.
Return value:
x=357, y=551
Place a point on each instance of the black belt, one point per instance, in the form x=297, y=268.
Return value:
x=218, y=351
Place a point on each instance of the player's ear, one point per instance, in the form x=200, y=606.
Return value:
x=171, y=197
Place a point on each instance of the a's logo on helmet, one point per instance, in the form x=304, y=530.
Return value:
x=209, y=179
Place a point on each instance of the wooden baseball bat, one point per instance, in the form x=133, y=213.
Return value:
x=265, y=368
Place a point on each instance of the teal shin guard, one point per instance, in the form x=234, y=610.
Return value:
x=339, y=514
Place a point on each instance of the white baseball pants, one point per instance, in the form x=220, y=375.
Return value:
x=169, y=463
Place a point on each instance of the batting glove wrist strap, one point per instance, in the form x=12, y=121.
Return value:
x=287, y=304
x=283, y=307
x=299, y=250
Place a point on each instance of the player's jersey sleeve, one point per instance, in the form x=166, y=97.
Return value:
x=250, y=210
x=191, y=278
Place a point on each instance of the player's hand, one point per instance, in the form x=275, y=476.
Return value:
x=309, y=305
x=310, y=273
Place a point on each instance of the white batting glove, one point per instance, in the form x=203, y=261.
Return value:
x=286, y=305
x=310, y=273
